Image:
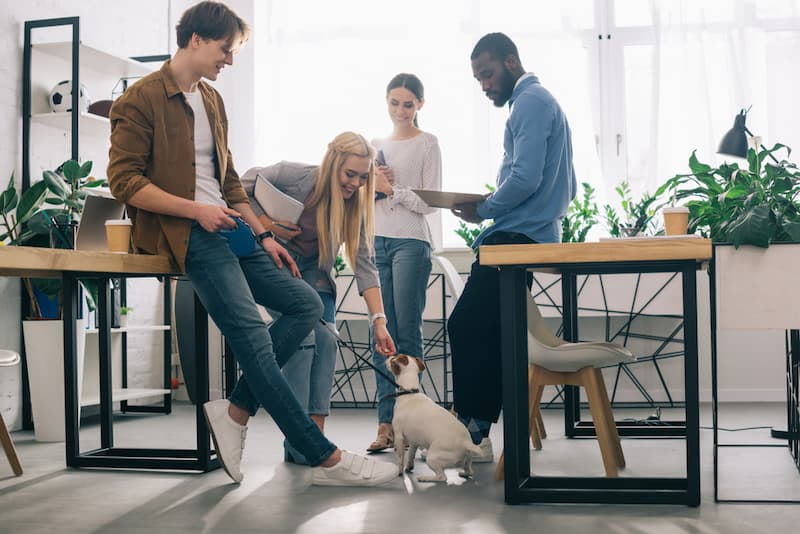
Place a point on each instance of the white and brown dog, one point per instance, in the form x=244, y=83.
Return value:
x=421, y=423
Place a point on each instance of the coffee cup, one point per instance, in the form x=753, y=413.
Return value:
x=118, y=235
x=676, y=220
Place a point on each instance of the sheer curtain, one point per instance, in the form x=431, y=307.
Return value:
x=713, y=58
x=322, y=68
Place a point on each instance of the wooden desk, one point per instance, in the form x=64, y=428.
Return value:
x=571, y=259
x=71, y=266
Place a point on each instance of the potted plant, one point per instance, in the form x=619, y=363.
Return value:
x=581, y=216
x=25, y=221
x=756, y=205
x=124, y=312
x=637, y=217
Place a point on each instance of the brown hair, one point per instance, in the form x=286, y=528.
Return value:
x=210, y=20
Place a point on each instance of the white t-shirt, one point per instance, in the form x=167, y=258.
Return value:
x=417, y=164
x=207, y=188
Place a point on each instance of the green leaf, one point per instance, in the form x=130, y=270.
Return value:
x=752, y=227
x=31, y=201
x=72, y=170
x=86, y=168
x=696, y=166
x=793, y=229
x=56, y=184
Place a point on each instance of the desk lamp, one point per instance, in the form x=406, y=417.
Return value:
x=734, y=143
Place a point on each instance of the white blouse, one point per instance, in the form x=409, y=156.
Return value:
x=417, y=164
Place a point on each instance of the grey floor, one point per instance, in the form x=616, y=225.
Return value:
x=276, y=497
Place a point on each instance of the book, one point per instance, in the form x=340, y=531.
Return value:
x=277, y=204
x=445, y=199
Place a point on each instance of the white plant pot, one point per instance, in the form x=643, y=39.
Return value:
x=123, y=321
x=44, y=350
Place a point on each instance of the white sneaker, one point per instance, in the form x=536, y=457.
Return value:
x=355, y=470
x=486, y=455
x=228, y=436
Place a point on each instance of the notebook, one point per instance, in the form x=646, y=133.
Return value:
x=97, y=209
x=277, y=204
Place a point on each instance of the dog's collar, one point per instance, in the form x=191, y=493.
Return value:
x=400, y=392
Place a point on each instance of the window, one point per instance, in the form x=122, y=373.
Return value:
x=642, y=83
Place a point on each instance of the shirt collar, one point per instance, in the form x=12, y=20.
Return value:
x=517, y=84
x=169, y=80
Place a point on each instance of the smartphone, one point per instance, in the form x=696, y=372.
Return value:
x=380, y=160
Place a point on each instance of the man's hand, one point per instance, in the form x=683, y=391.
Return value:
x=280, y=255
x=467, y=212
x=383, y=341
x=215, y=218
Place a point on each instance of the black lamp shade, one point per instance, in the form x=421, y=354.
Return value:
x=734, y=143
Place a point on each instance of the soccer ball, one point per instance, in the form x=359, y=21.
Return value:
x=61, y=97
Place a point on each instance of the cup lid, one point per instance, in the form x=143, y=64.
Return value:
x=118, y=222
x=675, y=209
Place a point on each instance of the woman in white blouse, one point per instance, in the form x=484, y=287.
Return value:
x=408, y=159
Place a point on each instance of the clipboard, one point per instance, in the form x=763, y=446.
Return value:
x=276, y=203
x=446, y=199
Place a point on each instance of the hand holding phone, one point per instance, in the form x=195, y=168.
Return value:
x=380, y=161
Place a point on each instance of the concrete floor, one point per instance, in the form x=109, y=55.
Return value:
x=276, y=497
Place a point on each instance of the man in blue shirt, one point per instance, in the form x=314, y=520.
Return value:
x=535, y=184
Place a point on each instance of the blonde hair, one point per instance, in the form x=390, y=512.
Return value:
x=339, y=220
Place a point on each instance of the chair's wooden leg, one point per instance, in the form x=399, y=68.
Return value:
x=534, y=416
x=8, y=447
x=600, y=418
x=539, y=420
x=499, y=471
x=615, y=441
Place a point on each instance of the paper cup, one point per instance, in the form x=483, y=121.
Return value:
x=676, y=220
x=118, y=235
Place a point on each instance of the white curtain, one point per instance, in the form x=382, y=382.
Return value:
x=322, y=68
x=713, y=58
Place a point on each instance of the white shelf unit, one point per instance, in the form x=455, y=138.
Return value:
x=50, y=138
x=91, y=393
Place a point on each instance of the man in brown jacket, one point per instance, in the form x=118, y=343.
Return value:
x=169, y=162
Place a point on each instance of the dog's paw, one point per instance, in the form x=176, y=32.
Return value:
x=465, y=474
x=409, y=468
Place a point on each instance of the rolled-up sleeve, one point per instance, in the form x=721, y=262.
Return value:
x=131, y=147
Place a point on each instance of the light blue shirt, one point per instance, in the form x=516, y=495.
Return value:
x=536, y=181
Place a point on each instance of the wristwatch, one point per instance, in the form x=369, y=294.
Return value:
x=373, y=316
x=263, y=235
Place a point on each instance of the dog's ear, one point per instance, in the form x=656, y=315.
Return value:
x=420, y=364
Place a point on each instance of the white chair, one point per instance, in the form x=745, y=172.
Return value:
x=553, y=361
x=7, y=359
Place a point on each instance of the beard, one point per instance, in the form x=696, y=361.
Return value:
x=506, y=88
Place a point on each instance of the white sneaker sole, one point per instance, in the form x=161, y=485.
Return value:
x=217, y=449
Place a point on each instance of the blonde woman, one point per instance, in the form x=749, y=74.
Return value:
x=338, y=199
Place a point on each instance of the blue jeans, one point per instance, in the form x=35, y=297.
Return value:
x=309, y=372
x=229, y=288
x=404, y=266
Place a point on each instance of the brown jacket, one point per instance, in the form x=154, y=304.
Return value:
x=152, y=142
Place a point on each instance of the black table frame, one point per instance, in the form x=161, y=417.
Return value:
x=520, y=486
x=201, y=458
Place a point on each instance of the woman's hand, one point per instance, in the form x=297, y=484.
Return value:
x=285, y=230
x=384, y=180
x=383, y=341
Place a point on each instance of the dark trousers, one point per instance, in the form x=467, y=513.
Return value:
x=474, y=330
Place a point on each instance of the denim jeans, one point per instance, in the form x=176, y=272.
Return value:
x=309, y=371
x=404, y=266
x=229, y=288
